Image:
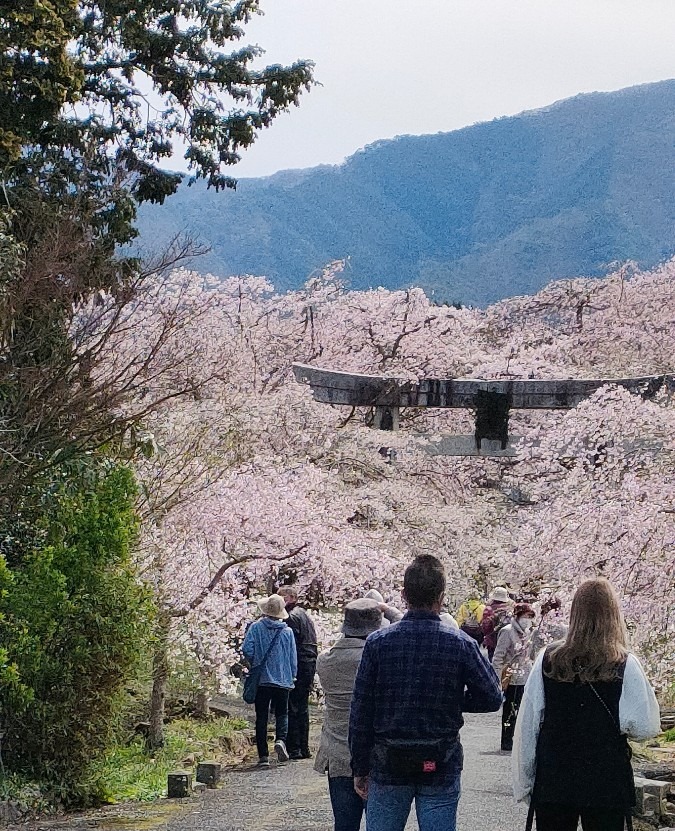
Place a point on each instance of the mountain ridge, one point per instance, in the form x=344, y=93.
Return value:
x=477, y=214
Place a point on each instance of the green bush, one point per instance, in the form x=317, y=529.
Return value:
x=73, y=615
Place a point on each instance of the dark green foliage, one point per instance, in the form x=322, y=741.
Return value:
x=476, y=215
x=73, y=621
x=101, y=59
x=80, y=147
x=37, y=75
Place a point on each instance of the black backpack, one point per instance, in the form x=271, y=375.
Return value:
x=473, y=628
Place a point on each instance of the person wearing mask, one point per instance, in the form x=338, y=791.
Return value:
x=391, y=613
x=298, y=703
x=336, y=669
x=512, y=661
x=496, y=615
x=584, y=697
x=415, y=680
x=270, y=642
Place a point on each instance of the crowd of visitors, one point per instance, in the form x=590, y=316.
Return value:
x=396, y=686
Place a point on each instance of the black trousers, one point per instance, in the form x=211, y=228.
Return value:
x=298, y=709
x=552, y=817
x=512, y=698
x=277, y=697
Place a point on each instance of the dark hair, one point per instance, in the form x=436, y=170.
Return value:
x=424, y=581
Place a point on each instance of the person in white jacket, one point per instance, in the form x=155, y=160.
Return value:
x=583, y=698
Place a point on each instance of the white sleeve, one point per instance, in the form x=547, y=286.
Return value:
x=639, y=714
x=530, y=717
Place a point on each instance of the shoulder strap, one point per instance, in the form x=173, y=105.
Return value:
x=269, y=648
x=629, y=818
x=530, y=815
x=604, y=704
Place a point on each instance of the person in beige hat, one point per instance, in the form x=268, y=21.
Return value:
x=270, y=644
x=496, y=615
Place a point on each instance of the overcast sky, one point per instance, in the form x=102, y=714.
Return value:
x=391, y=67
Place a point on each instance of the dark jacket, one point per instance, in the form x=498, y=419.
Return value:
x=415, y=680
x=582, y=757
x=496, y=615
x=305, y=633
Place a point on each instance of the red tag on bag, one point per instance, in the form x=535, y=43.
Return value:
x=429, y=767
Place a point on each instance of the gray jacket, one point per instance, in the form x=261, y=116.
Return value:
x=514, y=650
x=336, y=669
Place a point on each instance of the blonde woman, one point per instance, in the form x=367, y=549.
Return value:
x=583, y=698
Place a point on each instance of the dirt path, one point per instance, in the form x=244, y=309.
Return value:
x=294, y=798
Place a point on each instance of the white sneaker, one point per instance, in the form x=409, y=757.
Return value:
x=280, y=750
x=264, y=762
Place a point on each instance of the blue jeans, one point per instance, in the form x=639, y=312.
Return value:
x=388, y=806
x=347, y=805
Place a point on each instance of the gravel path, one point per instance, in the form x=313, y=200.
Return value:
x=292, y=797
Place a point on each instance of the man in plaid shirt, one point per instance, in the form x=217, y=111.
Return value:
x=415, y=680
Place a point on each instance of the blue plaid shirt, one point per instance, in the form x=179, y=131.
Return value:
x=415, y=680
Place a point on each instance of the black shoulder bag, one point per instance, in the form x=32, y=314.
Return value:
x=415, y=763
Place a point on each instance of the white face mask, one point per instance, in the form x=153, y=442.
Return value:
x=525, y=623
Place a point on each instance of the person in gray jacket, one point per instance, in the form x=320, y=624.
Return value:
x=512, y=662
x=337, y=669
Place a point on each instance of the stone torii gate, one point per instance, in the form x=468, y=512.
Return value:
x=492, y=400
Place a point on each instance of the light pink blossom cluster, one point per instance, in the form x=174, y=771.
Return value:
x=252, y=483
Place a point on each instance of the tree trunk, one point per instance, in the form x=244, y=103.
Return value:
x=160, y=678
x=202, y=703
x=203, y=695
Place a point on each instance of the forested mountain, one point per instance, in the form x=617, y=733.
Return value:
x=486, y=212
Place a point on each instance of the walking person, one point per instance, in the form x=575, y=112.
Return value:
x=470, y=616
x=415, y=680
x=551, y=626
x=306, y=646
x=496, y=615
x=512, y=662
x=584, y=697
x=391, y=613
x=336, y=669
x=270, y=642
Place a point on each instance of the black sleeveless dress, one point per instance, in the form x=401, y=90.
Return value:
x=582, y=758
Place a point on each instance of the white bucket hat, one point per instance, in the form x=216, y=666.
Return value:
x=500, y=594
x=274, y=606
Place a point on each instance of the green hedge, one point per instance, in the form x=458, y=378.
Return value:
x=73, y=624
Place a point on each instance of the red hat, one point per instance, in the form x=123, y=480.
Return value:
x=522, y=609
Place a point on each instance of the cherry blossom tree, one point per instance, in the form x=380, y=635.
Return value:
x=251, y=483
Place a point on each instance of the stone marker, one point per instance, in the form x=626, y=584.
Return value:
x=179, y=784
x=208, y=773
x=651, y=797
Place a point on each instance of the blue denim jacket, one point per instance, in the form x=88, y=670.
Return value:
x=281, y=666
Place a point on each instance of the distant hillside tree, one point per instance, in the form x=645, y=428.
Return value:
x=95, y=93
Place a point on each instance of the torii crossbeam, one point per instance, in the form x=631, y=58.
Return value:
x=492, y=399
